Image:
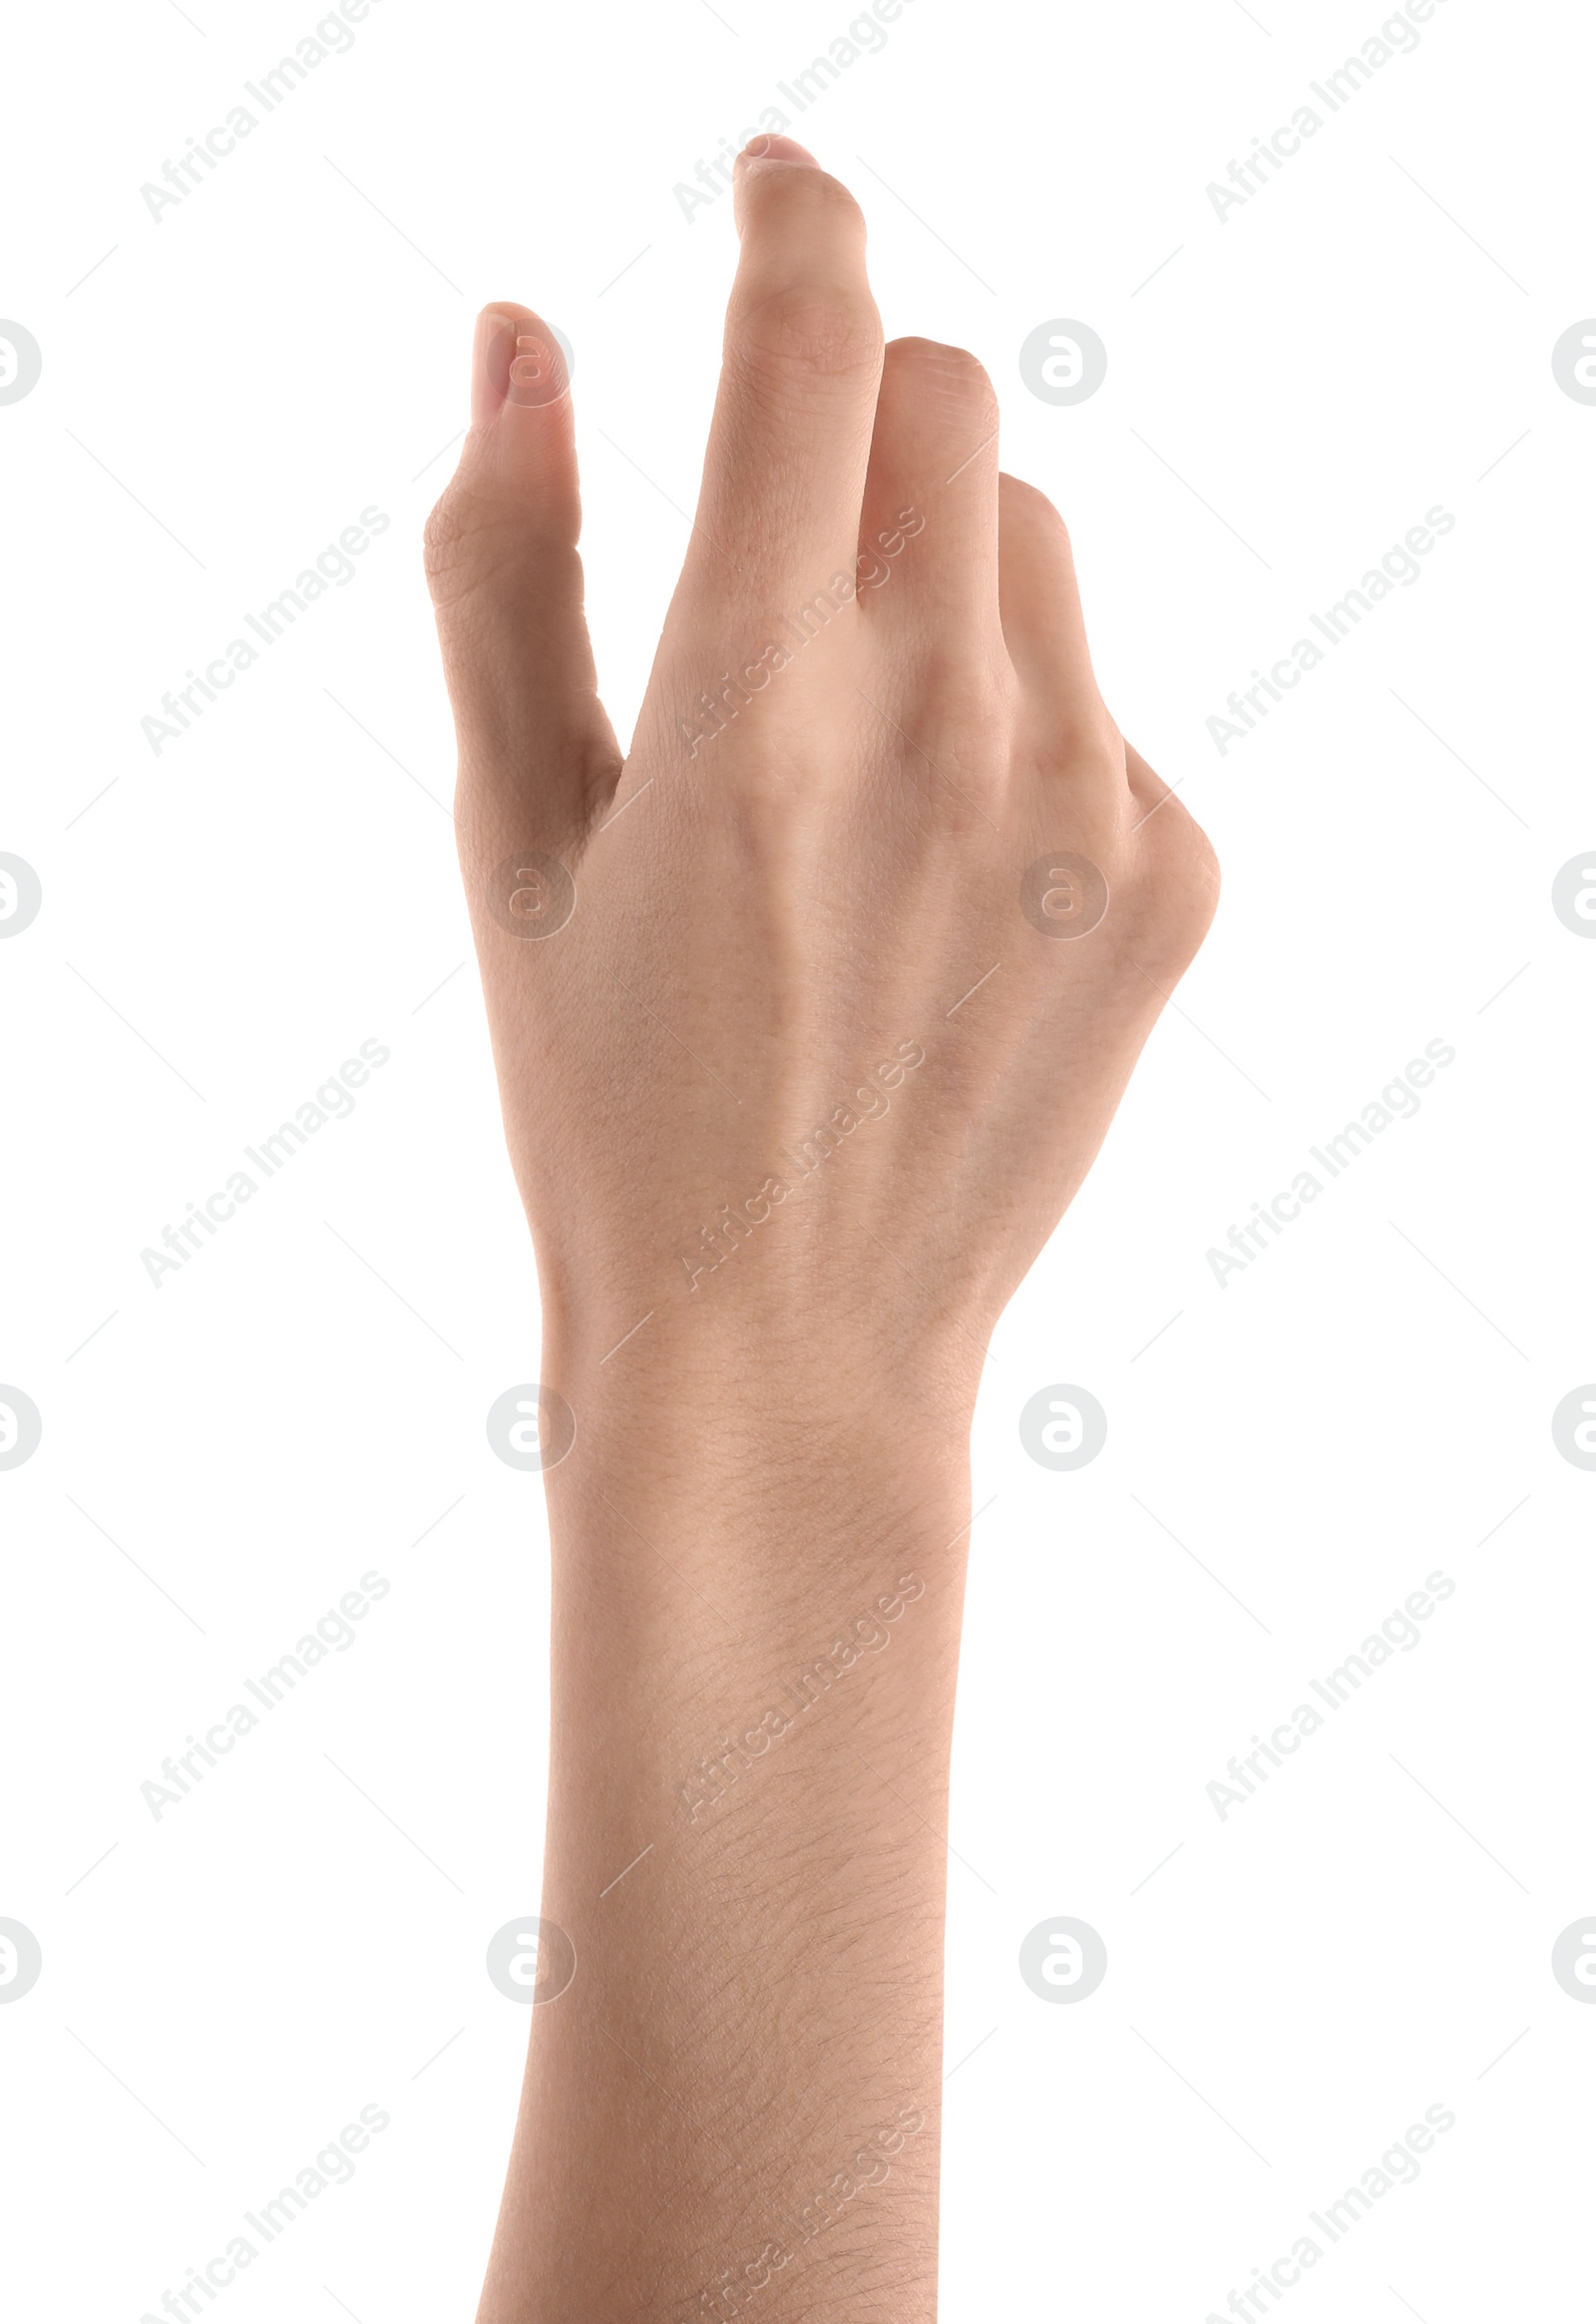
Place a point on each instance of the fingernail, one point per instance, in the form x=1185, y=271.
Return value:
x=490, y=357
x=779, y=148
x=516, y=360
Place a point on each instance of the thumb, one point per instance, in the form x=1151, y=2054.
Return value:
x=536, y=752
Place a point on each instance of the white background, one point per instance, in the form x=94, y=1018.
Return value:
x=223, y=1457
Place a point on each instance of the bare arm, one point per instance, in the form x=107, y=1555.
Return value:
x=810, y=1015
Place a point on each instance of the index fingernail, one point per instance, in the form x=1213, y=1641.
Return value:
x=491, y=358
x=779, y=148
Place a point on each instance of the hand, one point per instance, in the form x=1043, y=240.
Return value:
x=870, y=735
x=809, y=1016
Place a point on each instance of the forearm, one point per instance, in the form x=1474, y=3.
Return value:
x=755, y=1627
x=810, y=1012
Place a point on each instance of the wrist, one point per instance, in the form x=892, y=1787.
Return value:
x=669, y=1401
x=736, y=1519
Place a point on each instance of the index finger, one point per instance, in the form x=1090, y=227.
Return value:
x=784, y=472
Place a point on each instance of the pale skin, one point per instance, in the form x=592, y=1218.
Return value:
x=733, y=2108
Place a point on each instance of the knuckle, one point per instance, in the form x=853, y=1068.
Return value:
x=830, y=330
x=470, y=543
x=456, y=546
x=968, y=696
x=1200, y=866
x=443, y=543
x=970, y=722
x=948, y=375
x=1028, y=503
x=444, y=529
x=1183, y=885
x=791, y=207
x=1083, y=747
